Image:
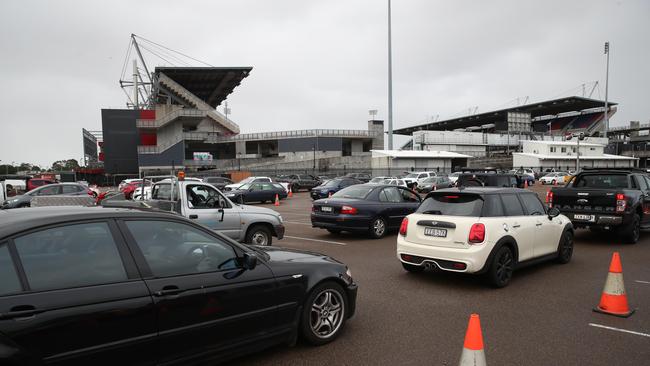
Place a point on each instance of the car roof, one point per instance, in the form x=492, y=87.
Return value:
x=21, y=219
x=482, y=190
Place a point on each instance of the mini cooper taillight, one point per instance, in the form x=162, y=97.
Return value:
x=404, y=226
x=476, y=234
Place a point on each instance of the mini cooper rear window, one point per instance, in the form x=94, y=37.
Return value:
x=452, y=205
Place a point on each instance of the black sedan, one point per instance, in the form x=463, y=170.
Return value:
x=94, y=285
x=371, y=208
x=257, y=192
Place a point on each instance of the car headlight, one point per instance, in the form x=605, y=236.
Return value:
x=280, y=218
x=347, y=277
x=13, y=200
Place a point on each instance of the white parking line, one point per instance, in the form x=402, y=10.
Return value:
x=318, y=240
x=646, y=282
x=298, y=223
x=620, y=330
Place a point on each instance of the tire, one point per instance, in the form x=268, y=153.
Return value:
x=412, y=268
x=565, y=248
x=632, y=231
x=334, y=231
x=501, y=268
x=259, y=235
x=23, y=205
x=378, y=228
x=324, y=314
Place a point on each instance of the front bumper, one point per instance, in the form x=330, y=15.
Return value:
x=351, y=292
x=279, y=231
x=341, y=222
x=474, y=256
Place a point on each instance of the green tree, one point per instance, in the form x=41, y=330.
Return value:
x=65, y=165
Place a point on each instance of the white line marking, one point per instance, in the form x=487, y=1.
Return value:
x=646, y=282
x=620, y=330
x=299, y=223
x=318, y=240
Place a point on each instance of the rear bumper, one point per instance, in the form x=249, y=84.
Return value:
x=597, y=219
x=473, y=257
x=341, y=222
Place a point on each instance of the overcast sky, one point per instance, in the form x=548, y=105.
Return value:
x=316, y=64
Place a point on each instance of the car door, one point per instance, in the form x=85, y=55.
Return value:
x=268, y=192
x=81, y=299
x=209, y=207
x=255, y=193
x=204, y=299
x=410, y=202
x=548, y=232
x=392, y=205
x=519, y=225
x=645, y=200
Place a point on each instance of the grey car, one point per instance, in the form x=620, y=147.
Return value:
x=67, y=189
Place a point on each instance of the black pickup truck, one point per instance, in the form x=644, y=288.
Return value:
x=611, y=199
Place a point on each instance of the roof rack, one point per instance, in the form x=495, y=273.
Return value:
x=619, y=169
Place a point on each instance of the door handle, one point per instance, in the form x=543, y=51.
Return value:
x=538, y=224
x=21, y=312
x=168, y=291
x=222, y=214
x=516, y=225
x=194, y=217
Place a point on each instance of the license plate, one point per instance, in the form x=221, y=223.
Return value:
x=585, y=217
x=439, y=233
x=326, y=209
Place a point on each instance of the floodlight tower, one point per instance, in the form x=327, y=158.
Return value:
x=606, y=87
x=390, y=83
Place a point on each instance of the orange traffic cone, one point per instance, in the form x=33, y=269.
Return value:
x=277, y=200
x=473, y=353
x=613, y=301
x=290, y=193
x=525, y=183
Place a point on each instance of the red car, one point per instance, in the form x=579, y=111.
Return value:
x=128, y=188
x=34, y=183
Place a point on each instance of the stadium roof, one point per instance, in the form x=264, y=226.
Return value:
x=210, y=84
x=418, y=154
x=546, y=108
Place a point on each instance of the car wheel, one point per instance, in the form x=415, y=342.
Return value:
x=502, y=267
x=565, y=248
x=378, y=228
x=259, y=235
x=334, y=231
x=412, y=268
x=324, y=313
x=632, y=231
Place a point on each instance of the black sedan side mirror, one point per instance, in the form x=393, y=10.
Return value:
x=249, y=261
x=553, y=212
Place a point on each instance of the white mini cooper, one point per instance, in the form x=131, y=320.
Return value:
x=483, y=230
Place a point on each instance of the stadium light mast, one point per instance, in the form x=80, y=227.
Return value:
x=606, y=87
x=390, y=83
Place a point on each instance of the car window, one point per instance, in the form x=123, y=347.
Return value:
x=452, y=205
x=408, y=196
x=390, y=194
x=10, y=282
x=422, y=176
x=356, y=191
x=277, y=186
x=70, y=189
x=173, y=248
x=162, y=191
x=267, y=187
x=647, y=180
x=202, y=197
x=601, y=181
x=532, y=204
x=492, y=206
x=49, y=190
x=512, y=205
x=70, y=256
x=641, y=183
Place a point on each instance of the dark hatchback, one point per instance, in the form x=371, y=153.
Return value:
x=371, y=208
x=106, y=286
x=332, y=186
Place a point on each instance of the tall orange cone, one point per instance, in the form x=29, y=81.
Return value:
x=613, y=301
x=277, y=200
x=290, y=193
x=473, y=354
x=525, y=183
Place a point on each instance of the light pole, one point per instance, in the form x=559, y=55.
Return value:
x=606, y=90
x=390, y=83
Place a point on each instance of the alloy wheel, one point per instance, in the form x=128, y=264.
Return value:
x=504, y=267
x=379, y=227
x=259, y=238
x=327, y=312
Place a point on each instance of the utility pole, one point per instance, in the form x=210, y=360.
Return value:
x=390, y=83
x=606, y=87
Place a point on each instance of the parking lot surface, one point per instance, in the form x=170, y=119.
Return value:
x=544, y=317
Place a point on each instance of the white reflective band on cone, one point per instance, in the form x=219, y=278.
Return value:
x=614, y=284
x=472, y=358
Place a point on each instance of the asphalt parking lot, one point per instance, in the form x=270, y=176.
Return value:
x=544, y=317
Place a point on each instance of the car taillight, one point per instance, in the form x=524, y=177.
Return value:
x=549, y=199
x=621, y=202
x=348, y=210
x=476, y=233
x=404, y=226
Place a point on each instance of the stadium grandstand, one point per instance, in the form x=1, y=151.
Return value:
x=556, y=117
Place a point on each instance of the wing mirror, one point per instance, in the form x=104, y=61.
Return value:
x=249, y=261
x=553, y=212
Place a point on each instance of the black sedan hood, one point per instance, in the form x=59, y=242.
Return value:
x=286, y=255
